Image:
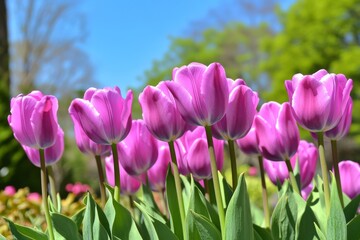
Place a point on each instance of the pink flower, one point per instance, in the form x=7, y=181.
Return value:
x=33, y=119
x=276, y=131
x=34, y=197
x=201, y=93
x=77, y=188
x=350, y=177
x=305, y=192
x=252, y=171
x=160, y=113
x=129, y=184
x=342, y=128
x=249, y=144
x=139, y=150
x=10, y=190
x=318, y=101
x=240, y=112
x=103, y=114
x=52, y=154
x=157, y=173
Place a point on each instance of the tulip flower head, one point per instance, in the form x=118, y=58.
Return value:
x=160, y=113
x=139, y=150
x=201, y=93
x=52, y=154
x=129, y=184
x=276, y=131
x=239, y=114
x=103, y=114
x=318, y=101
x=350, y=178
x=249, y=144
x=33, y=119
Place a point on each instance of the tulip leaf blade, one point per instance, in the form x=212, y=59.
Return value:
x=64, y=227
x=238, y=220
x=171, y=196
x=351, y=208
x=155, y=229
x=25, y=233
x=336, y=222
x=353, y=227
x=78, y=217
x=119, y=218
x=261, y=233
x=205, y=229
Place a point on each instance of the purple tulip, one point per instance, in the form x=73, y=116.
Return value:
x=181, y=155
x=239, y=114
x=52, y=154
x=276, y=131
x=85, y=144
x=305, y=192
x=319, y=100
x=306, y=156
x=103, y=114
x=160, y=113
x=249, y=144
x=342, y=128
x=201, y=93
x=129, y=184
x=139, y=150
x=33, y=119
x=350, y=177
x=197, y=155
x=157, y=173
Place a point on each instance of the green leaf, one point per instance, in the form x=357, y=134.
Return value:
x=121, y=223
x=2, y=237
x=336, y=222
x=320, y=233
x=64, y=227
x=148, y=199
x=351, y=208
x=257, y=215
x=316, y=201
x=186, y=193
x=204, y=227
x=155, y=229
x=261, y=233
x=95, y=224
x=25, y=233
x=79, y=217
x=171, y=197
x=226, y=190
x=353, y=228
x=238, y=221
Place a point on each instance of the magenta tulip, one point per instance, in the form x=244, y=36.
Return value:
x=85, y=144
x=305, y=192
x=139, y=150
x=350, y=177
x=160, y=113
x=129, y=184
x=33, y=119
x=52, y=154
x=342, y=128
x=239, y=114
x=103, y=114
x=276, y=131
x=201, y=93
x=249, y=144
x=157, y=173
x=306, y=156
x=197, y=157
x=319, y=100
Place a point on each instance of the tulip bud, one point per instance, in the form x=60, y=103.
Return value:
x=350, y=178
x=157, y=173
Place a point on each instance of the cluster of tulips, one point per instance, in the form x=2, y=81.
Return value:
x=186, y=122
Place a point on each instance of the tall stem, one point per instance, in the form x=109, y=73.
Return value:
x=215, y=176
x=292, y=177
x=233, y=163
x=53, y=191
x=178, y=186
x=101, y=179
x=324, y=171
x=164, y=204
x=336, y=170
x=116, y=172
x=45, y=194
x=264, y=193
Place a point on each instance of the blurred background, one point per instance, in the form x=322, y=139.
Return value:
x=64, y=47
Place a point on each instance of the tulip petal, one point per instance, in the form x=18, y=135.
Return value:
x=199, y=160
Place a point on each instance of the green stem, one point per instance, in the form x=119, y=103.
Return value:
x=336, y=170
x=45, y=194
x=178, y=186
x=324, y=171
x=132, y=206
x=101, y=179
x=292, y=177
x=215, y=176
x=207, y=188
x=116, y=172
x=233, y=163
x=264, y=193
x=164, y=204
x=53, y=191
